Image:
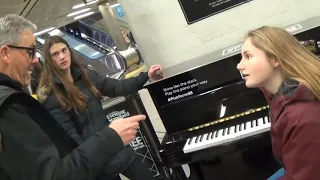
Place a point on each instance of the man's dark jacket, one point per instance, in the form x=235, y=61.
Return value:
x=35, y=147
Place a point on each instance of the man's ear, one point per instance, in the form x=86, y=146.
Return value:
x=4, y=54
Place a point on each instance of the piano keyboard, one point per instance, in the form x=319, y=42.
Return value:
x=227, y=135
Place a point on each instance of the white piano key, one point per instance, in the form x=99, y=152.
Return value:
x=232, y=136
x=266, y=119
x=242, y=126
x=232, y=130
x=248, y=124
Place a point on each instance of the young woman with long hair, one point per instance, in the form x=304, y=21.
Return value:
x=73, y=95
x=289, y=76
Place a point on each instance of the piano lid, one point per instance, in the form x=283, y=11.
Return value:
x=224, y=53
x=196, y=81
x=202, y=110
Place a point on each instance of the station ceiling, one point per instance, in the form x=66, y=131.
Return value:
x=45, y=13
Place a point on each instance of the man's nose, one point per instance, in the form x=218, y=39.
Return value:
x=35, y=60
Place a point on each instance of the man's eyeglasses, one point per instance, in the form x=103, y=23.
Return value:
x=30, y=50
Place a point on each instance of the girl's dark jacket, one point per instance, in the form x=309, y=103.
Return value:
x=81, y=126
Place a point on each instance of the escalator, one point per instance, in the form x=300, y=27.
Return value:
x=86, y=31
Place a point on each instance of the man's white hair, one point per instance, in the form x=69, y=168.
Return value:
x=11, y=27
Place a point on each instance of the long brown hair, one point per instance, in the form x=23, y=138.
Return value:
x=70, y=95
x=296, y=61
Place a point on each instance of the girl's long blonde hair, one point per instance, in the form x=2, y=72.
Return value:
x=296, y=61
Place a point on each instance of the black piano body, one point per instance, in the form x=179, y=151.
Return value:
x=206, y=99
x=207, y=96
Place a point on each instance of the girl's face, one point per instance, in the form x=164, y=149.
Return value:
x=258, y=70
x=60, y=55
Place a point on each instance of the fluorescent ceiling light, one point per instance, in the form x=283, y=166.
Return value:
x=78, y=12
x=83, y=15
x=38, y=55
x=54, y=32
x=40, y=40
x=78, y=6
x=114, y=5
x=43, y=31
x=82, y=4
x=92, y=2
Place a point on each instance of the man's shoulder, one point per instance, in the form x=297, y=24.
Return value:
x=18, y=98
x=7, y=93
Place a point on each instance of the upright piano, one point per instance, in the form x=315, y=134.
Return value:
x=213, y=122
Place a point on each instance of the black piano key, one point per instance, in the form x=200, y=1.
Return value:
x=257, y=122
x=228, y=131
x=190, y=141
x=235, y=129
x=244, y=126
x=252, y=123
x=196, y=141
x=201, y=138
x=264, y=120
x=213, y=133
x=217, y=132
x=239, y=127
x=223, y=132
x=208, y=136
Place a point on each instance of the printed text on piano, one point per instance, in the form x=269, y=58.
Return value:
x=183, y=89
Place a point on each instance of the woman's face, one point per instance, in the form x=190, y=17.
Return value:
x=60, y=55
x=255, y=66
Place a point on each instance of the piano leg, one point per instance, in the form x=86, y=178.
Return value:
x=178, y=174
x=197, y=173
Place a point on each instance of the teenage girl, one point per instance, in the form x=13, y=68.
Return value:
x=289, y=76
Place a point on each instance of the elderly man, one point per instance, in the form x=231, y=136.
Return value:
x=32, y=145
